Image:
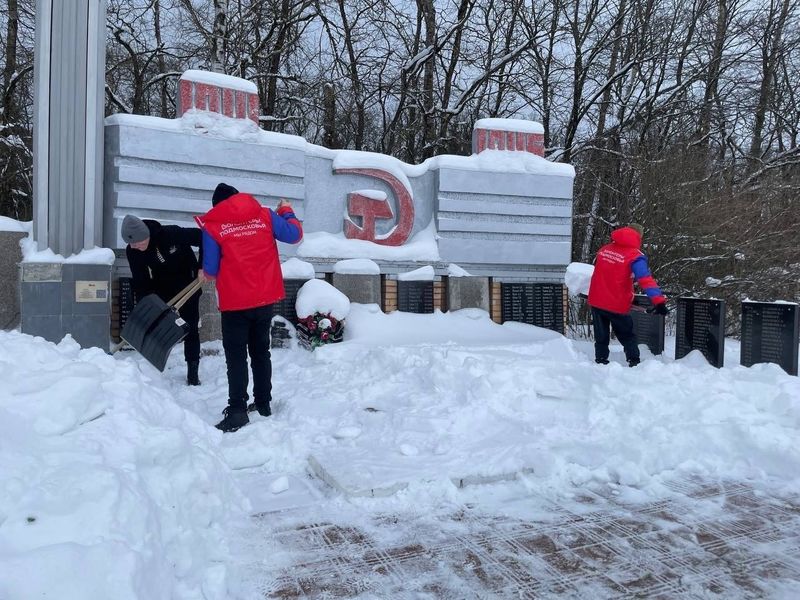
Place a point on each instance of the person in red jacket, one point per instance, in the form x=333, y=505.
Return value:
x=239, y=250
x=611, y=292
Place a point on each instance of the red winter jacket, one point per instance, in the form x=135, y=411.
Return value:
x=239, y=248
x=615, y=267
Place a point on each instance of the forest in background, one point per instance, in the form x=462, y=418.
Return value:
x=681, y=115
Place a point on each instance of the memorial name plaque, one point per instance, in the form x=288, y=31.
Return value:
x=770, y=334
x=91, y=291
x=415, y=296
x=125, y=300
x=286, y=307
x=648, y=327
x=701, y=326
x=540, y=304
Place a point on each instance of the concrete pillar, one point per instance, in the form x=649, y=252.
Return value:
x=361, y=288
x=68, y=124
x=468, y=292
x=69, y=99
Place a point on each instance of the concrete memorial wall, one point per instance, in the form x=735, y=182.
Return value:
x=505, y=215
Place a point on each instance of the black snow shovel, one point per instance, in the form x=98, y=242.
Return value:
x=154, y=327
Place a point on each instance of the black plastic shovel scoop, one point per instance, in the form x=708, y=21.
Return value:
x=154, y=327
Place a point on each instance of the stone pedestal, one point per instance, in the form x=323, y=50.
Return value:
x=468, y=292
x=210, y=320
x=363, y=289
x=58, y=299
x=10, y=257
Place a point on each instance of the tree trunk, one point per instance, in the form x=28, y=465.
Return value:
x=275, y=62
x=712, y=79
x=162, y=64
x=428, y=119
x=219, y=34
x=769, y=62
x=12, y=30
x=599, y=157
x=355, y=78
x=463, y=11
x=329, y=119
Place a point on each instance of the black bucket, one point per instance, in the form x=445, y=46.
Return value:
x=153, y=328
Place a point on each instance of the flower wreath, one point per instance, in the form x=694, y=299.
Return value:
x=320, y=328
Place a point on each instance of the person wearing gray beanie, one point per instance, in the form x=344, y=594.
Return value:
x=162, y=262
x=134, y=231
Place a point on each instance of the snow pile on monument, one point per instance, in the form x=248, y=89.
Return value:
x=108, y=488
x=31, y=252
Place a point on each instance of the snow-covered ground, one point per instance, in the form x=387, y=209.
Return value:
x=114, y=483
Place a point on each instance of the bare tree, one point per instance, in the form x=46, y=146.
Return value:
x=15, y=116
x=681, y=114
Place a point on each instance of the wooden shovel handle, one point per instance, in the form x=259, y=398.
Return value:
x=186, y=293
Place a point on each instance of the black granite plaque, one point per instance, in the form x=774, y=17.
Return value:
x=701, y=326
x=125, y=300
x=770, y=334
x=648, y=327
x=415, y=296
x=540, y=304
x=286, y=307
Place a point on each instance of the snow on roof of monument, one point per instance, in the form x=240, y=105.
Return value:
x=9, y=224
x=322, y=244
x=355, y=159
x=503, y=161
x=425, y=273
x=294, y=268
x=357, y=266
x=751, y=301
x=196, y=122
x=374, y=194
x=208, y=124
x=91, y=256
x=522, y=125
x=453, y=270
x=221, y=80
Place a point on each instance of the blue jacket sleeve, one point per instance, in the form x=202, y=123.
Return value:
x=285, y=226
x=641, y=271
x=211, y=255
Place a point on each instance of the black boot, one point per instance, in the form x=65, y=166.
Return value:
x=233, y=420
x=192, y=378
x=632, y=362
x=262, y=408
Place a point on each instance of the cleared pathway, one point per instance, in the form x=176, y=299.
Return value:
x=703, y=540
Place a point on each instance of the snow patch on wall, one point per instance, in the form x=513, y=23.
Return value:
x=421, y=247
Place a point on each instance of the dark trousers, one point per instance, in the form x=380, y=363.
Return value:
x=190, y=312
x=602, y=321
x=246, y=331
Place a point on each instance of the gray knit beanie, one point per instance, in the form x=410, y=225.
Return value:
x=134, y=230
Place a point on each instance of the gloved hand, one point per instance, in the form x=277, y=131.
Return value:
x=659, y=309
